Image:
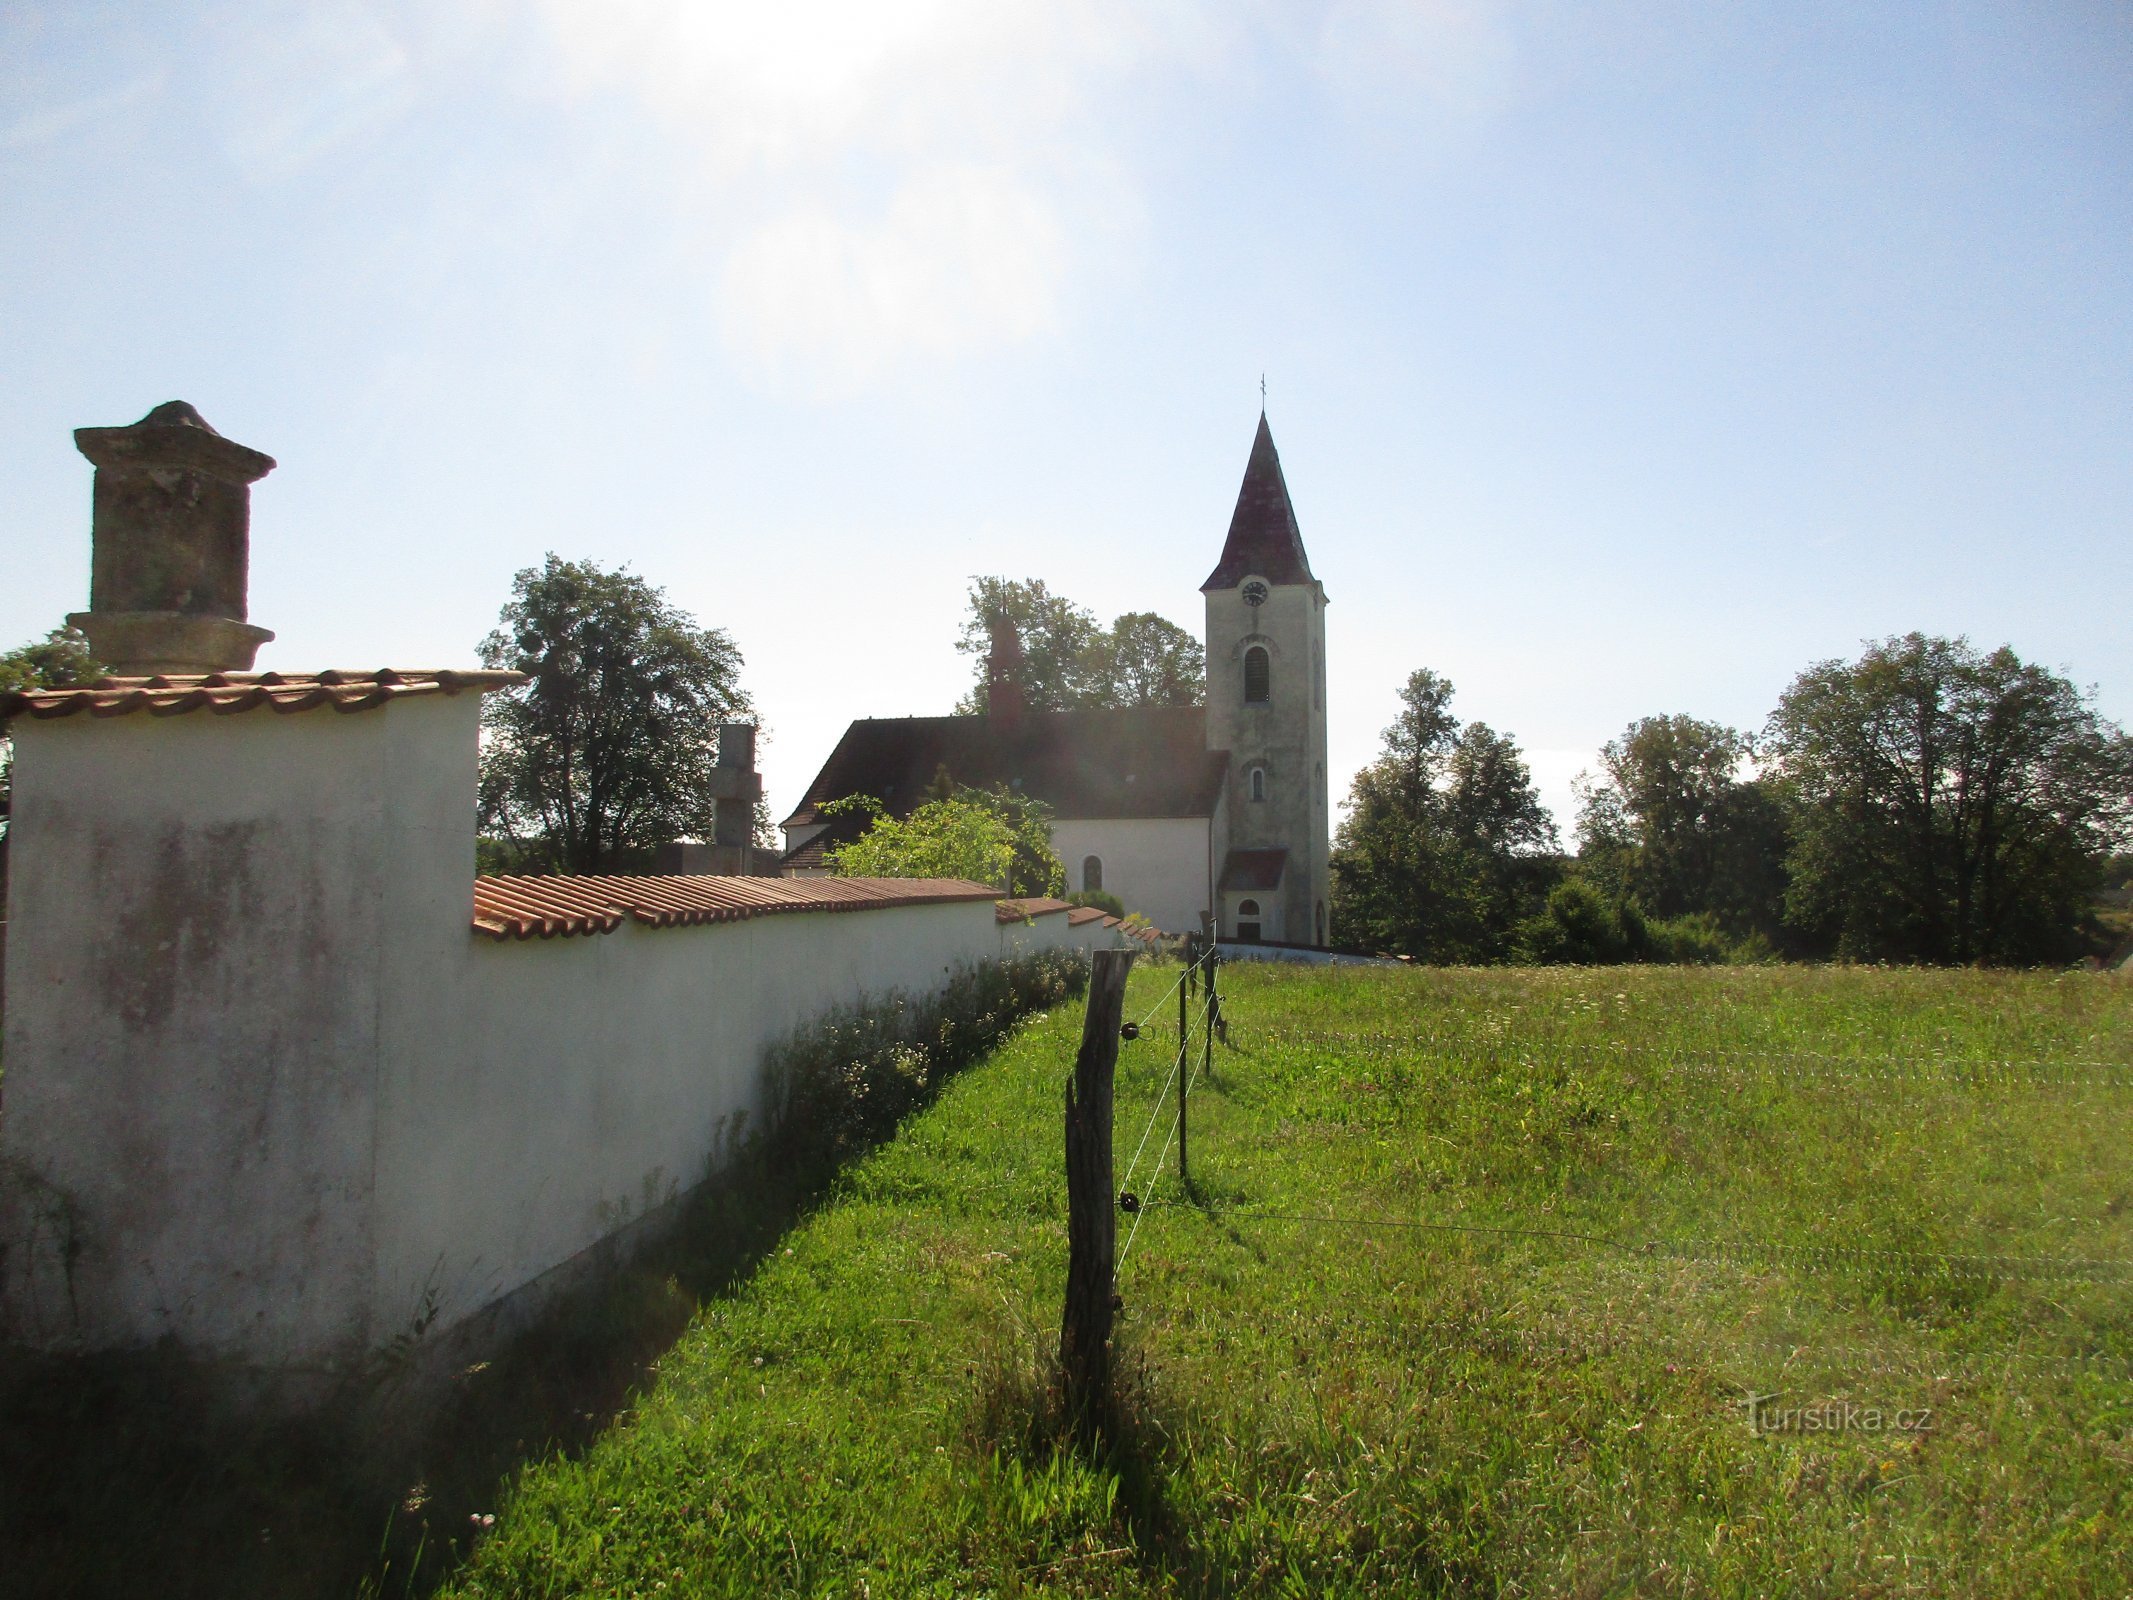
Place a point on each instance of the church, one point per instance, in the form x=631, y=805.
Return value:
x=1192, y=815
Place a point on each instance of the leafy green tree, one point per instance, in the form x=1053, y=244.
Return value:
x=1953, y=805
x=1446, y=848
x=1154, y=662
x=60, y=660
x=990, y=836
x=607, y=752
x=1063, y=665
x=1671, y=822
x=1070, y=661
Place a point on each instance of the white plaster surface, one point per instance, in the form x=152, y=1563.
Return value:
x=535, y=1096
x=205, y=916
x=1157, y=866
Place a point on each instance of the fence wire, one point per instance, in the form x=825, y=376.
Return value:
x=1190, y=968
x=1858, y=1361
x=1156, y=1172
x=1713, y=1061
x=1719, y=1252
x=1719, y=1062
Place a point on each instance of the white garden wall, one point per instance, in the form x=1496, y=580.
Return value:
x=268, y=1094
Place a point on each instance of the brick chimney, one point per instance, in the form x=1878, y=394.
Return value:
x=1005, y=699
x=171, y=531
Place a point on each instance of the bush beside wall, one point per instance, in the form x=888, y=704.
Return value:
x=845, y=1082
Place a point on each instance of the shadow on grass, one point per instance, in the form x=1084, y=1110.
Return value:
x=1252, y=1538
x=140, y=1475
x=134, y=1475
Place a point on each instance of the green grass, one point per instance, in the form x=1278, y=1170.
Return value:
x=1784, y=1180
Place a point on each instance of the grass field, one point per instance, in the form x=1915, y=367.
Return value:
x=1477, y=1269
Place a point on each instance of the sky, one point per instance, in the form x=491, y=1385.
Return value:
x=1623, y=360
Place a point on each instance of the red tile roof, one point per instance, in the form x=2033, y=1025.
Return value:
x=1082, y=915
x=1022, y=910
x=543, y=908
x=225, y=693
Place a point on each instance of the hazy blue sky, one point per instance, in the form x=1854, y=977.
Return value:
x=1623, y=359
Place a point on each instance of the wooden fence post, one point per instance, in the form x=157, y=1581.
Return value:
x=1092, y=1217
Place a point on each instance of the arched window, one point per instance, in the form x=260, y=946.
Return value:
x=1092, y=873
x=1247, y=922
x=1258, y=783
x=1258, y=676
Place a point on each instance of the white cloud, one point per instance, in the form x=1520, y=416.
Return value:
x=768, y=83
x=963, y=257
x=889, y=182
x=883, y=184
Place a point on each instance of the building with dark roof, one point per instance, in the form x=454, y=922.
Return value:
x=1189, y=814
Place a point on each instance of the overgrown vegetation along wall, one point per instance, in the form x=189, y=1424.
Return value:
x=847, y=1079
x=268, y=1095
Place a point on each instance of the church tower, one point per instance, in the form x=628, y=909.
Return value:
x=1266, y=705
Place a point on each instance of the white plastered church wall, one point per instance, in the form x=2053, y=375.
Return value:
x=1157, y=866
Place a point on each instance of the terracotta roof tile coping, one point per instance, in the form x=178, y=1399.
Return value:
x=1023, y=909
x=226, y=693
x=1081, y=916
x=565, y=907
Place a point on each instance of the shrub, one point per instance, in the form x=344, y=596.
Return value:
x=1693, y=939
x=1102, y=899
x=846, y=1082
x=1580, y=926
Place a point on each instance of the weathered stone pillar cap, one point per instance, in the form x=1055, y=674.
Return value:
x=174, y=435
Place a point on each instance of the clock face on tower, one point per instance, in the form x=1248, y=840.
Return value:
x=1255, y=593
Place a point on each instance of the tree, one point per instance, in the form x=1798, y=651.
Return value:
x=1953, y=806
x=60, y=660
x=991, y=836
x=1063, y=659
x=1671, y=823
x=607, y=753
x=1154, y=662
x=1070, y=661
x=1446, y=846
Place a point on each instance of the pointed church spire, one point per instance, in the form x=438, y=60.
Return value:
x=1263, y=536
